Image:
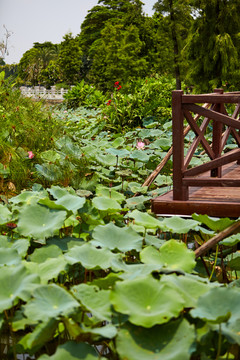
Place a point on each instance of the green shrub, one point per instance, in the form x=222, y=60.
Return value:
x=84, y=95
x=140, y=102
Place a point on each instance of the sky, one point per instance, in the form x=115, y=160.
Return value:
x=31, y=21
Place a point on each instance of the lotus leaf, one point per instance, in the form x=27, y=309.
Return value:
x=106, y=160
x=234, y=263
x=189, y=287
x=108, y=331
x=137, y=202
x=213, y=223
x=21, y=245
x=95, y=300
x=39, y=222
x=49, y=302
x=105, y=204
x=5, y=214
x=139, y=155
x=218, y=305
x=114, y=237
x=9, y=256
x=109, y=193
x=135, y=187
x=146, y=301
x=28, y=197
x=90, y=257
x=172, y=341
x=49, y=269
x=145, y=219
x=231, y=240
x=232, y=331
x=73, y=351
x=42, y=333
x=173, y=255
x=178, y=225
x=42, y=254
x=16, y=283
x=118, y=152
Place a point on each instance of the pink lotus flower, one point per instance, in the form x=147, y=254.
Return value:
x=140, y=145
x=30, y=154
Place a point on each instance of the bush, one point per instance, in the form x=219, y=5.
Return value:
x=84, y=95
x=141, y=102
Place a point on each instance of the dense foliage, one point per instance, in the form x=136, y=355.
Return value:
x=118, y=42
x=86, y=270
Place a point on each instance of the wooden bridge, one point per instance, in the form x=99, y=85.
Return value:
x=41, y=93
x=213, y=187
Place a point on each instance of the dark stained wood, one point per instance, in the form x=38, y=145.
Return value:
x=227, y=98
x=211, y=200
x=179, y=191
x=212, y=188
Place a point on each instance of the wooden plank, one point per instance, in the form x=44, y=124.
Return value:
x=210, y=181
x=214, y=115
x=179, y=191
x=224, y=159
x=227, y=98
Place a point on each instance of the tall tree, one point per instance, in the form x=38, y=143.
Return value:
x=213, y=47
x=70, y=60
x=177, y=16
x=117, y=56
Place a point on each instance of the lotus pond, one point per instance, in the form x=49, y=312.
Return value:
x=87, y=271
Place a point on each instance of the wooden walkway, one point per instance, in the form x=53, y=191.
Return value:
x=214, y=201
x=212, y=188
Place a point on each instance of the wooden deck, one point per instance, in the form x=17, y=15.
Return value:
x=220, y=201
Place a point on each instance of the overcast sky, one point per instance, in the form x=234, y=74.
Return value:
x=43, y=20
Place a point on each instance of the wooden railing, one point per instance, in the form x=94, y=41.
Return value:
x=202, y=111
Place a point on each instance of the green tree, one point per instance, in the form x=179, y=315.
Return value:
x=213, y=47
x=117, y=56
x=36, y=60
x=69, y=60
x=176, y=18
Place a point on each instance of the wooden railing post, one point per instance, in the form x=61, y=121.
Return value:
x=180, y=192
x=216, y=138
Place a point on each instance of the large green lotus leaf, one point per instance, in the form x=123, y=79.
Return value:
x=42, y=333
x=163, y=180
x=107, y=282
x=146, y=301
x=57, y=192
x=19, y=321
x=42, y=254
x=145, y=219
x=50, y=156
x=49, y=302
x=28, y=197
x=137, y=202
x=104, y=204
x=9, y=256
x=73, y=351
x=234, y=263
x=5, y=214
x=90, y=257
x=21, y=245
x=16, y=283
x=132, y=271
x=213, y=223
x=188, y=287
x=232, y=331
x=114, y=237
x=231, y=240
x=118, y=152
x=109, y=193
x=95, y=300
x=140, y=156
x=172, y=254
x=49, y=269
x=67, y=202
x=39, y=222
x=178, y=225
x=135, y=187
x=172, y=341
x=218, y=305
x=106, y=160
x=118, y=142
x=108, y=331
